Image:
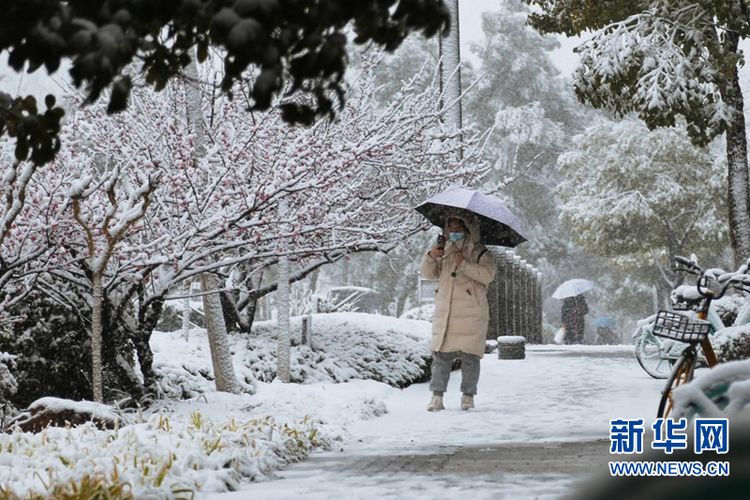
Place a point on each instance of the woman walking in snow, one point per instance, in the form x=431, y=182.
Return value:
x=464, y=269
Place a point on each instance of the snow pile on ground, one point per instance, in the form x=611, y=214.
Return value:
x=345, y=346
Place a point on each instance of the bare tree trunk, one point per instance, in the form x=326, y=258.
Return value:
x=283, y=369
x=221, y=355
x=737, y=181
x=186, y=312
x=96, y=337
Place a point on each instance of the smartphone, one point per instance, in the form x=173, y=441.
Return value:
x=441, y=242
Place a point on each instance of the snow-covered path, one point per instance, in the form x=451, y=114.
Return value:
x=540, y=426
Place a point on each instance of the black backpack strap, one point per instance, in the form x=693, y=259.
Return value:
x=480, y=255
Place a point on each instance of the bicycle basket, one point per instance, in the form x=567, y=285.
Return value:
x=679, y=327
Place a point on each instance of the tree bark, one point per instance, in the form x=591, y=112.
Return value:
x=96, y=338
x=186, y=312
x=283, y=366
x=737, y=181
x=147, y=321
x=221, y=355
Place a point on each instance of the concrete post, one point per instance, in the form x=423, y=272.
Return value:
x=531, y=306
x=540, y=311
x=492, y=295
x=517, y=297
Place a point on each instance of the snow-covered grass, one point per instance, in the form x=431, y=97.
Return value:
x=162, y=455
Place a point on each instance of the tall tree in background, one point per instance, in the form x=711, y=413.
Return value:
x=532, y=112
x=666, y=59
x=216, y=328
x=628, y=197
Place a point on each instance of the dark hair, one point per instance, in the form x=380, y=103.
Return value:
x=460, y=221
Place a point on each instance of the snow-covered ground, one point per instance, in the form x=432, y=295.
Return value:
x=559, y=394
x=368, y=439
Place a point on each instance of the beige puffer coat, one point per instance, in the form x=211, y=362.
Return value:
x=461, y=306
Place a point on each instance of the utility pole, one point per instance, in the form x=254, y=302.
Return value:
x=450, y=72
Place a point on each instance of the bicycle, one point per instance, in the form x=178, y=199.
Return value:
x=656, y=355
x=694, y=332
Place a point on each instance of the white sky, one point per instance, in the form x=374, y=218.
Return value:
x=470, y=22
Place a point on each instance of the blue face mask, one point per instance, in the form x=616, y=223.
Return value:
x=457, y=237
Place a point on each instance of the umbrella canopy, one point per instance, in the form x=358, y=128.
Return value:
x=497, y=224
x=571, y=288
x=604, y=322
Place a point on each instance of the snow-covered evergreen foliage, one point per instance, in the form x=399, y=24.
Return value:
x=628, y=197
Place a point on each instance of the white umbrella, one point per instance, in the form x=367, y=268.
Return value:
x=571, y=288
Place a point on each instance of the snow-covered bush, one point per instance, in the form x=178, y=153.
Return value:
x=348, y=346
x=728, y=307
x=423, y=313
x=733, y=343
x=161, y=456
x=51, y=349
x=345, y=346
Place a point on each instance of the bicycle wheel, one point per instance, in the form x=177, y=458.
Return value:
x=648, y=354
x=680, y=375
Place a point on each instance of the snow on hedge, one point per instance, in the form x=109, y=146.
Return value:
x=197, y=440
x=206, y=444
x=733, y=343
x=159, y=456
x=347, y=346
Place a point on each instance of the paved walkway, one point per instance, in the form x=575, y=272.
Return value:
x=540, y=428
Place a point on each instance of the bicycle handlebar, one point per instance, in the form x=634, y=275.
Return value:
x=729, y=280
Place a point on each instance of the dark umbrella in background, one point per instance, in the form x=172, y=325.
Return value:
x=498, y=225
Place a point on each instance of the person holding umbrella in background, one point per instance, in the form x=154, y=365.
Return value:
x=574, y=308
x=464, y=269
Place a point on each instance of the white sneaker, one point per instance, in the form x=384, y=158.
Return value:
x=467, y=402
x=436, y=404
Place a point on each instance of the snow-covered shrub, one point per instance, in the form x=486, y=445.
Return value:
x=8, y=383
x=348, y=346
x=52, y=354
x=162, y=456
x=728, y=306
x=423, y=313
x=733, y=343
x=345, y=346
